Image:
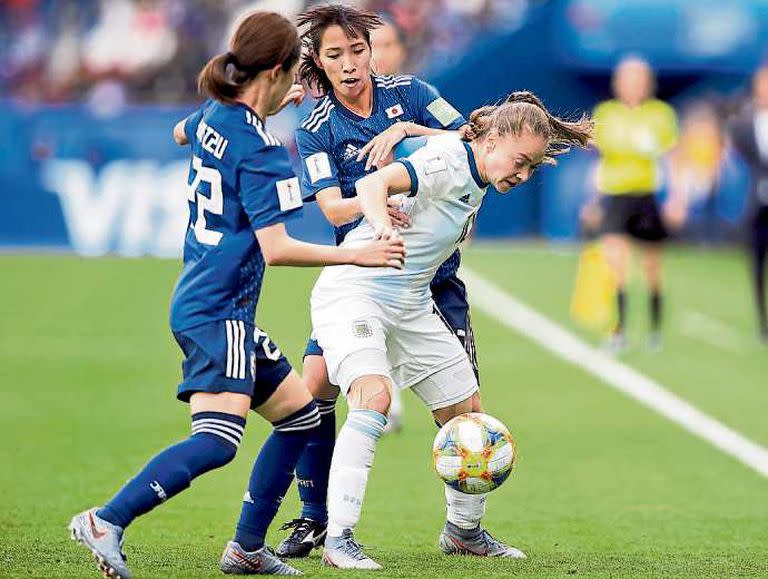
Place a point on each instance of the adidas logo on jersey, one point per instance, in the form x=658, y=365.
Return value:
x=350, y=151
x=465, y=198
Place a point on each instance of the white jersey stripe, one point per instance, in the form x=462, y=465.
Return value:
x=230, y=341
x=313, y=127
x=235, y=349
x=241, y=375
x=318, y=112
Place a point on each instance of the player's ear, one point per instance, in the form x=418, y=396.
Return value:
x=274, y=72
x=318, y=64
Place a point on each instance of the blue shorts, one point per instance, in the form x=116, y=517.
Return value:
x=230, y=356
x=450, y=297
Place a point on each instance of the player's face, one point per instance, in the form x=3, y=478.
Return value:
x=760, y=88
x=346, y=62
x=388, y=52
x=508, y=161
x=633, y=83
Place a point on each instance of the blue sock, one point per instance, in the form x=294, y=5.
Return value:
x=314, y=466
x=214, y=441
x=272, y=474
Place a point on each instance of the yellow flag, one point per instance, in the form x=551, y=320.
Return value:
x=593, y=303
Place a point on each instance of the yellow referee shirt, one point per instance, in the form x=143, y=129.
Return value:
x=631, y=141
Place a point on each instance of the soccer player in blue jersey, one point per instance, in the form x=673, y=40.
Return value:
x=241, y=192
x=352, y=130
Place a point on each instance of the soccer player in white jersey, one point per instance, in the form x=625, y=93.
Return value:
x=379, y=328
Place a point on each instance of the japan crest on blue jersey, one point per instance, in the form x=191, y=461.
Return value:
x=331, y=136
x=240, y=180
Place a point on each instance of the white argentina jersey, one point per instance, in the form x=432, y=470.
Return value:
x=446, y=193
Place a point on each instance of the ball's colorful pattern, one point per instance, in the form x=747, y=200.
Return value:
x=473, y=453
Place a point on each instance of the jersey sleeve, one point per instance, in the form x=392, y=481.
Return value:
x=429, y=171
x=432, y=110
x=268, y=189
x=318, y=169
x=191, y=122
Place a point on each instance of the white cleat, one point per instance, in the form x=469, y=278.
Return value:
x=477, y=542
x=345, y=553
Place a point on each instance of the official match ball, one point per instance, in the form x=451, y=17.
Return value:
x=473, y=453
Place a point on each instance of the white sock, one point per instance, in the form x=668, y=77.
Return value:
x=352, y=461
x=464, y=511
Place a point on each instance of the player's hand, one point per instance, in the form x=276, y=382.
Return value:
x=383, y=252
x=399, y=217
x=674, y=214
x=379, y=149
x=294, y=95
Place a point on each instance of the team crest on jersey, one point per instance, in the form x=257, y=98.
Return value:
x=395, y=111
x=362, y=329
x=350, y=152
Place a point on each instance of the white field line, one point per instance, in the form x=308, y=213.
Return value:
x=711, y=331
x=517, y=316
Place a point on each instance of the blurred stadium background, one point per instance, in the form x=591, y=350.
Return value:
x=605, y=488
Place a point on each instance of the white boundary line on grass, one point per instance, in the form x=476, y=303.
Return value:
x=512, y=313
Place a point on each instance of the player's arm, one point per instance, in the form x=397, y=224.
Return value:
x=374, y=190
x=339, y=211
x=178, y=133
x=279, y=248
x=184, y=130
x=433, y=116
x=270, y=196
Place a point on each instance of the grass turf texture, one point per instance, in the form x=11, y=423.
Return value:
x=603, y=487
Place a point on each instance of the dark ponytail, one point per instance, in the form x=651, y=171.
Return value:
x=524, y=111
x=262, y=41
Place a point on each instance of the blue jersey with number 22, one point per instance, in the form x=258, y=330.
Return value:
x=240, y=180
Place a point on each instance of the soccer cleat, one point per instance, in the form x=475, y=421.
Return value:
x=345, y=553
x=307, y=535
x=104, y=540
x=237, y=561
x=654, y=343
x=478, y=542
x=616, y=344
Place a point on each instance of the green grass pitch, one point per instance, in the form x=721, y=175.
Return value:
x=603, y=487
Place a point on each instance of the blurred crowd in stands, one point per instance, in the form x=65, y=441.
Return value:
x=116, y=51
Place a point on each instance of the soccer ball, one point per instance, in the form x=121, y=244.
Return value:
x=473, y=453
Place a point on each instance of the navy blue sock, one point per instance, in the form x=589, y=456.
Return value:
x=272, y=474
x=214, y=441
x=314, y=466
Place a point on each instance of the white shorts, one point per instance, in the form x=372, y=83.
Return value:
x=406, y=346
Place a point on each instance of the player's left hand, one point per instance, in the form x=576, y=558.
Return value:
x=379, y=149
x=294, y=95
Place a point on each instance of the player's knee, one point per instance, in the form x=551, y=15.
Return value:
x=371, y=392
x=303, y=419
x=221, y=434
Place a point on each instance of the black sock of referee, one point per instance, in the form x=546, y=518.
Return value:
x=621, y=303
x=655, y=305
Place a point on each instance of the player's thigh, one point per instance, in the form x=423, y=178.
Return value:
x=315, y=372
x=217, y=375
x=289, y=396
x=352, y=334
x=450, y=297
x=278, y=390
x=449, y=391
x=421, y=344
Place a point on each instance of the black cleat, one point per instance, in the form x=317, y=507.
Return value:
x=307, y=535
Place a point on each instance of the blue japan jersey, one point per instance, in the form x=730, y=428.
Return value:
x=331, y=136
x=240, y=180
